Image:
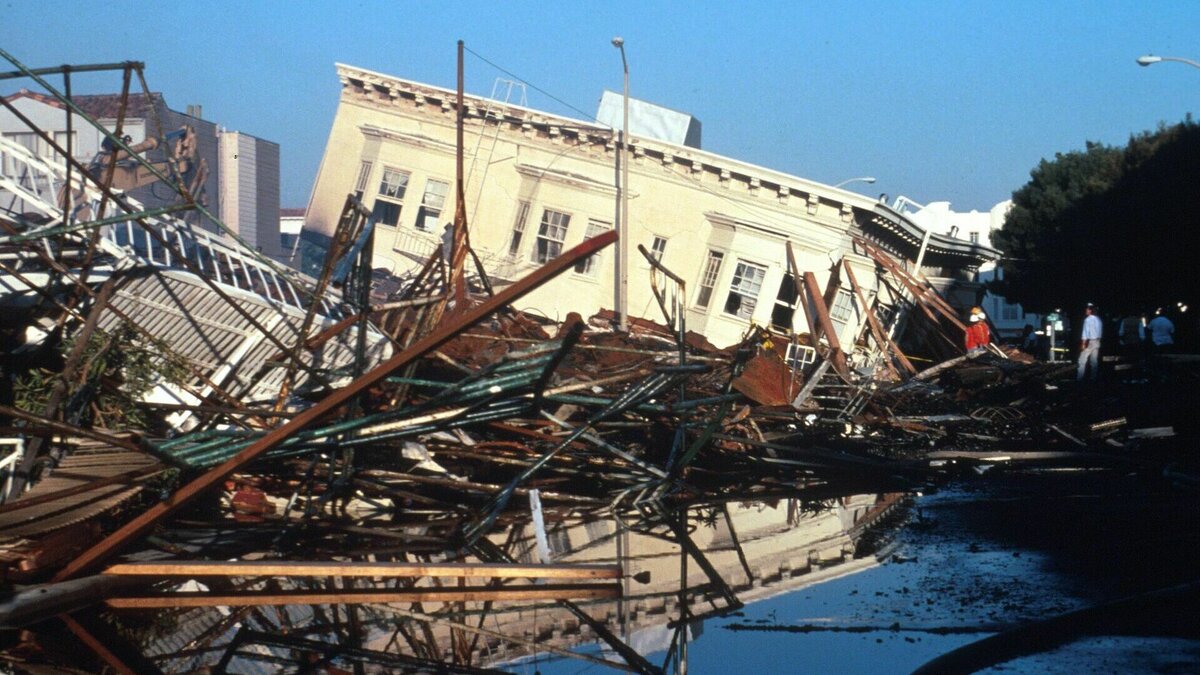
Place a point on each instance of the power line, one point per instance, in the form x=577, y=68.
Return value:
x=481, y=57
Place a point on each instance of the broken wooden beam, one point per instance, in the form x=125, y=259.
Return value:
x=281, y=568
x=344, y=596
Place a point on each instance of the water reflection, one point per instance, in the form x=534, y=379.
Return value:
x=679, y=567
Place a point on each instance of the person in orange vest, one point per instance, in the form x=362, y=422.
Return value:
x=978, y=335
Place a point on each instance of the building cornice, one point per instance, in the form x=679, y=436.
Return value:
x=908, y=236
x=385, y=91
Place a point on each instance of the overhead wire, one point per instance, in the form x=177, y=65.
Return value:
x=759, y=211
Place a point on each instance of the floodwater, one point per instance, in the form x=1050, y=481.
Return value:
x=970, y=561
x=866, y=583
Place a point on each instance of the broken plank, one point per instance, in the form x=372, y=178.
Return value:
x=383, y=595
x=363, y=569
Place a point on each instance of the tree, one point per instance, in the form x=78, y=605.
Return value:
x=1107, y=225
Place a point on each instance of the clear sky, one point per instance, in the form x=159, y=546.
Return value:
x=940, y=101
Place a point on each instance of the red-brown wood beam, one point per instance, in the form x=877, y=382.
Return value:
x=881, y=336
x=816, y=303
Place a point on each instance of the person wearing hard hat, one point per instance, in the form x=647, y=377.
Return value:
x=978, y=334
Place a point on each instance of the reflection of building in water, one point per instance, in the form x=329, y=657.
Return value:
x=757, y=549
x=728, y=555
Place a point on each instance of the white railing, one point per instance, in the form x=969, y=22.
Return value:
x=31, y=184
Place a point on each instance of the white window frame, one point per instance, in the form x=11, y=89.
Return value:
x=747, y=284
x=842, y=310
x=658, y=247
x=364, y=175
x=590, y=264
x=799, y=356
x=780, y=303
x=432, y=205
x=551, y=235
x=709, y=276
x=392, y=192
x=514, y=245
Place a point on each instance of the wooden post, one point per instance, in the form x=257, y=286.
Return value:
x=881, y=336
x=816, y=302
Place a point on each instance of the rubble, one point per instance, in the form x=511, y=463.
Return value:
x=350, y=451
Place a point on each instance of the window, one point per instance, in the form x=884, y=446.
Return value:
x=394, y=184
x=551, y=234
x=24, y=138
x=799, y=355
x=60, y=137
x=712, y=268
x=658, y=247
x=590, y=264
x=974, y=237
x=364, y=174
x=843, y=306
x=785, y=304
x=386, y=213
x=884, y=313
x=432, y=204
x=514, y=247
x=743, y=291
x=1012, y=312
x=391, y=196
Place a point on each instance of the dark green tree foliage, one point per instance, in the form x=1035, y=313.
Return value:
x=1108, y=225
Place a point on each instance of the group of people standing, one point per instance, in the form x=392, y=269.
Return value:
x=1135, y=335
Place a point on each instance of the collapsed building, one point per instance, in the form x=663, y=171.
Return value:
x=215, y=462
x=538, y=183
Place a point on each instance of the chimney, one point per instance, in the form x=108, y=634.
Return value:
x=193, y=110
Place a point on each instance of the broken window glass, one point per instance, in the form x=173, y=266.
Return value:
x=551, y=234
x=743, y=291
x=432, y=204
x=712, y=268
x=590, y=264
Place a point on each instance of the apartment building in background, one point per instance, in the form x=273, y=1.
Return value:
x=1009, y=318
x=242, y=183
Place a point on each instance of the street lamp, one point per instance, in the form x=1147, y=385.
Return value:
x=622, y=263
x=1150, y=59
x=864, y=179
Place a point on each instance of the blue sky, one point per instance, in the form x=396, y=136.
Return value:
x=947, y=100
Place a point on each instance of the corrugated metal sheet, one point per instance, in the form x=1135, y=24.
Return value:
x=88, y=463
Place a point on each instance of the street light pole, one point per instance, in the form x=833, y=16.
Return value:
x=622, y=264
x=864, y=179
x=1150, y=59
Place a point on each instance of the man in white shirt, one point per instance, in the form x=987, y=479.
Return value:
x=1089, y=344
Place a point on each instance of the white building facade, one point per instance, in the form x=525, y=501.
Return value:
x=1009, y=318
x=539, y=183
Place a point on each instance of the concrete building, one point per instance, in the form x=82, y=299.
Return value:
x=976, y=227
x=542, y=183
x=242, y=183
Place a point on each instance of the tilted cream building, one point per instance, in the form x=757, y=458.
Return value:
x=538, y=184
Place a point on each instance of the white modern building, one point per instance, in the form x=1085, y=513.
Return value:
x=975, y=227
x=238, y=174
